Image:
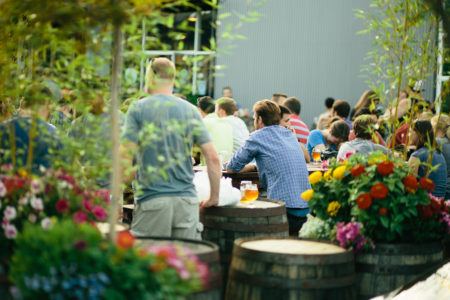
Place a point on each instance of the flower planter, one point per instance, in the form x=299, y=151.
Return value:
x=207, y=252
x=390, y=266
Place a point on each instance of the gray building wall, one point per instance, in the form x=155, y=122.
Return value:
x=304, y=48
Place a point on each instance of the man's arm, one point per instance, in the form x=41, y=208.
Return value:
x=127, y=151
x=214, y=173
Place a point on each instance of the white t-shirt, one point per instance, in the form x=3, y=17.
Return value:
x=359, y=146
x=240, y=131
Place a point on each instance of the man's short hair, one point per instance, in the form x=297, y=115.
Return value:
x=293, y=104
x=276, y=97
x=340, y=130
x=160, y=69
x=269, y=112
x=227, y=88
x=363, y=127
x=206, y=104
x=284, y=110
x=342, y=108
x=329, y=102
x=228, y=105
x=36, y=94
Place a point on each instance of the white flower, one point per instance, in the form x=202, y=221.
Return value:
x=46, y=223
x=32, y=218
x=2, y=189
x=10, y=213
x=36, y=186
x=10, y=231
x=64, y=185
x=23, y=201
x=37, y=204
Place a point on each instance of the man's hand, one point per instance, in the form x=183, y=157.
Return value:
x=209, y=202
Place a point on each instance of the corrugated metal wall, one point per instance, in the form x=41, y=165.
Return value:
x=305, y=48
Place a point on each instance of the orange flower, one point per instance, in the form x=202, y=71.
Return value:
x=410, y=183
x=383, y=211
x=125, y=240
x=379, y=191
x=364, y=201
x=357, y=170
x=385, y=168
x=427, y=184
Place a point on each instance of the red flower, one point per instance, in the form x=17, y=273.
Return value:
x=80, y=217
x=62, y=205
x=364, y=201
x=383, y=211
x=425, y=211
x=427, y=184
x=13, y=184
x=385, y=168
x=410, y=183
x=379, y=191
x=99, y=213
x=125, y=240
x=357, y=170
x=87, y=204
x=103, y=194
x=80, y=245
x=67, y=178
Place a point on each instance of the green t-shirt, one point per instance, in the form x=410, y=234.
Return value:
x=165, y=129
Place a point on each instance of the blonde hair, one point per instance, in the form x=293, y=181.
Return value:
x=160, y=70
x=441, y=123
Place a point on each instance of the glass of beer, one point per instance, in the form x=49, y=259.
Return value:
x=250, y=193
x=316, y=153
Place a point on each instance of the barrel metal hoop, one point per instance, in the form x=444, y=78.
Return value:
x=239, y=227
x=393, y=269
x=288, y=284
x=239, y=212
x=405, y=249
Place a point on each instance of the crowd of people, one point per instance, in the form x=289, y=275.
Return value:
x=164, y=135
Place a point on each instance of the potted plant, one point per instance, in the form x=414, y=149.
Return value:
x=374, y=204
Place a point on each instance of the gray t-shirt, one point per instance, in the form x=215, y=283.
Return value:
x=165, y=129
x=360, y=146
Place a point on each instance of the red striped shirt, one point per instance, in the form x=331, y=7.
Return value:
x=300, y=128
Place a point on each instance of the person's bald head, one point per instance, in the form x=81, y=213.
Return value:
x=160, y=74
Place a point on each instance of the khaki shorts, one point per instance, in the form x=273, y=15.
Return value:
x=168, y=217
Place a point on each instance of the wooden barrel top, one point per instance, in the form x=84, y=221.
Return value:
x=287, y=251
x=258, y=208
x=290, y=246
x=129, y=206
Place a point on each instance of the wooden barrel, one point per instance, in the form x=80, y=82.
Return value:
x=207, y=252
x=287, y=268
x=128, y=213
x=390, y=266
x=223, y=225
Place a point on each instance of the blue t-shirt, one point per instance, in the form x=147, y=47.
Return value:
x=15, y=138
x=315, y=138
x=438, y=176
x=164, y=128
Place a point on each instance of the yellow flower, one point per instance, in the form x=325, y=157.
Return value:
x=333, y=208
x=307, y=195
x=327, y=175
x=22, y=173
x=376, y=158
x=339, y=172
x=315, y=177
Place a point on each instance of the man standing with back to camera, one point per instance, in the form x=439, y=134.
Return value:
x=160, y=131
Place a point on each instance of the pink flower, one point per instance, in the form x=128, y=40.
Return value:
x=62, y=205
x=87, y=204
x=67, y=178
x=2, y=189
x=349, y=235
x=10, y=213
x=80, y=245
x=184, y=274
x=99, y=213
x=10, y=231
x=37, y=203
x=23, y=201
x=80, y=217
x=103, y=194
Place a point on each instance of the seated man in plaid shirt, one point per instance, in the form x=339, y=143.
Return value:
x=280, y=162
